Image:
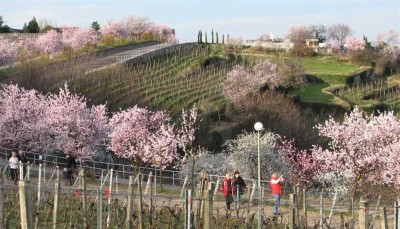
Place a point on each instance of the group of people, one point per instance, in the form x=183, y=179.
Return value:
x=236, y=186
x=14, y=162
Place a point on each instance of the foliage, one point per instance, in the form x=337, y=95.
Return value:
x=242, y=155
x=33, y=26
x=299, y=33
x=364, y=145
x=208, y=162
x=21, y=117
x=76, y=128
x=8, y=52
x=77, y=38
x=46, y=29
x=115, y=28
x=50, y=43
x=144, y=137
x=163, y=33
x=242, y=82
x=291, y=74
x=137, y=25
x=95, y=26
x=353, y=44
x=319, y=31
x=339, y=32
x=304, y=167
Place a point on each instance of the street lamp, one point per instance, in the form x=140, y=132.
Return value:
x=258, y=126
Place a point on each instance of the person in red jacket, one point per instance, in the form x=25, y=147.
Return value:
x=226, y=188
x=276, y=190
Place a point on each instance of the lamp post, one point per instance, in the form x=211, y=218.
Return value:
x=258, y=126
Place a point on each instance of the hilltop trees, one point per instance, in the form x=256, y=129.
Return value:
x=339, y=32
x=95, y=26
x=79, y=37
x=50, y=43
x=353, y=44
x=115, y=29
x=137, y=25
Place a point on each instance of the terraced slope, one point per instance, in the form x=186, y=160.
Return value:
x=170, y=81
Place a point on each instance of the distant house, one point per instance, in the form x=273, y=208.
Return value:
x=272, y=44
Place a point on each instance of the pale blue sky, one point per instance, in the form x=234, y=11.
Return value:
x=244, y=18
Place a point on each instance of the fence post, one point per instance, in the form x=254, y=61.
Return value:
x=189, y=210
x=363, y=214
x=99, y=209
x=292, y=211
x=305, y=206
x=321, y=210
x=109, y=200
x=383, y=218
x=24, y=205
x=186, y=209
x=129, y=209
x=140, y=204
x=56, y=200
x=150, y=181
x=1, y=199
x=208, y=209
x=333, y=206
x=83, y=188
x=396, y=214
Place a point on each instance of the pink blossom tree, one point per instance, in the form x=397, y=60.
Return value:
x=335, y=46
x=353, y=44
x=21, y=118
x=387, y=44
x=77, y=38
x=27, y=48
x=144, y=137
x=242, y=82
x=137, y=25
x=117, y=29
x=163, y=33
x=8, y=52
x=304, y=167
x=188, y=125
x=50, y=43
x=75, y=128
x=364, y=145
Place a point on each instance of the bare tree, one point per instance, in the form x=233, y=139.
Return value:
x=319, y=31
x=339, y=32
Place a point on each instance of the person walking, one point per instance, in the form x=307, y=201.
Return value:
x=276, y=190
x=238, y=184
x=13, y=162
x=226, y=188
x=22, y=159
x=71, y=165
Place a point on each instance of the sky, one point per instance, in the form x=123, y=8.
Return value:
x=239, y=18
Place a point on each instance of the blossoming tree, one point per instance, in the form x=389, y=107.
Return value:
x=50, y=43
x=21, y=118
x=75, y=128
x=77, y=38
x=8, y=52
x=353, y=44
x=364, y=145
x=116, y=29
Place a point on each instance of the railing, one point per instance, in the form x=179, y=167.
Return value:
x=141, y=51
x=172, y=177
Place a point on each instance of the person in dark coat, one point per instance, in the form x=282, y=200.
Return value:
x=22, y=159
x=71, y=165
x=227, y=191
x=238, y=184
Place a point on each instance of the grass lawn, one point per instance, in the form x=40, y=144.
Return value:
x=314, y=93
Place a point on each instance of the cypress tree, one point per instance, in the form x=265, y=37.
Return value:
x=205, y=37
x=223, y=39
x=216, y=37
x=33, y=26
x=212, y=36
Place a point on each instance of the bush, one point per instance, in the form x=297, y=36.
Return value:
x=108, y=40
x=382, y=66
x=364, y=57
x=301, y=50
